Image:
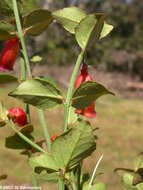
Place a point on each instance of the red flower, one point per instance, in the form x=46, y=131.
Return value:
x=18, y=116
x=83, y=77
x=54, y=137
x=9, y=54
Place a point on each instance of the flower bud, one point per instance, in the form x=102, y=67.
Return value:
x=89, y=111
x=54, y=137
x=18, y=116
x=9, y=54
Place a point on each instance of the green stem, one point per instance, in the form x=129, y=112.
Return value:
x=21, y=37
x=34, y=180
x=70, y=90
x=27, y=112
x=73, y=184
x=22, y=64
x=44, y=125
x=25, y=138
x=78, y=173
x=61, y=184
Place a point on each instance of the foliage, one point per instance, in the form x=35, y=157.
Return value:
x=121, y=51
x=59, y=160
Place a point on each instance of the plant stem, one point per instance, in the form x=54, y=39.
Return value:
x=27, y=112
x=25, y=138
x=21, y=37
x=34, y=180
x=78, y=175
x=70, y=89
x=61, y=184
x=44, y=125
x=22, y=64
x=73, y=184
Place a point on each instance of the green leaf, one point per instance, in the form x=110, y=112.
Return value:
x=39, y=93
x=7, y=31
x=128, y=181
x=107, y=28
x=138, y=162
x=140, y=186
x=69, y=17
x=36, y=59
x=88, y=92
x=49, y=79
x=98, y=186
x=138, y=176
x=28, y=128
x=7, y=78
x=16, y=142
x=45, y=177
x=79, y=142
x=89, y=26
x=72, y=116
x=35, y=22
x=44, y=161
x=6, y=7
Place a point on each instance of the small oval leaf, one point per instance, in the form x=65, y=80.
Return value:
x=45, y=161
x=7, y=78
x=26, y=128
x=36, y=21
x=128, y=181
x=36, y=59
x=107, y=28
x=49, y=178
x=7, y=31
x=16, y=142
x=39, y=93
x=69, y=17
x=89, y=26
x=88, y=92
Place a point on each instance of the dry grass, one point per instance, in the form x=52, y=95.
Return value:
x=120, y=135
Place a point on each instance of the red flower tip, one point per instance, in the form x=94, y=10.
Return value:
x=89, y=111
x=18, y=116
x=54, y=137
x=9, y=54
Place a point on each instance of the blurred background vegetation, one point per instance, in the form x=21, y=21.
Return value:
x=121, y=51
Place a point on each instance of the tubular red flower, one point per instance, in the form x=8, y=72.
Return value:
x=9, y=54
x=18, y=116
x=89, y=111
